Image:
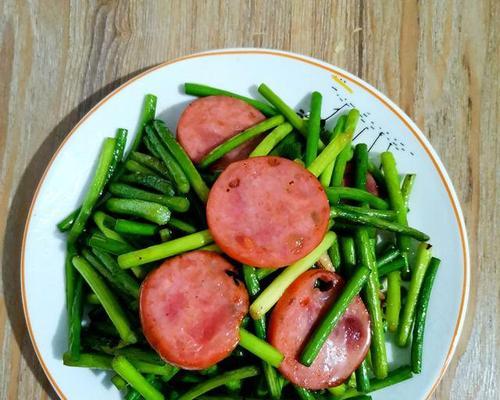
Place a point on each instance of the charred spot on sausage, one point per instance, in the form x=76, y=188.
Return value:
x=322, y=285
x=236, y=278
x=273, y=162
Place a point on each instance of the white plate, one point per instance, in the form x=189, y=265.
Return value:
x=434, y=205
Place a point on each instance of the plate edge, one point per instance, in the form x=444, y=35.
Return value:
x=331, y=68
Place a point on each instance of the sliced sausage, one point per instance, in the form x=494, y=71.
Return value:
x=191, y=308
x=267, y=211
x=297, y=313
x=209, y=121
x=371, y=184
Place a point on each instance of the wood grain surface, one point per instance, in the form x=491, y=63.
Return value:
x=439, y=60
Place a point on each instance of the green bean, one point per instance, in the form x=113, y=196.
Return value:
x=150, y=147
x=164, y=250
x=75, y=322
x=340, y=166
x=346, y=193
x=393, y=299
x=366, y=256
x=406, y=187
x=135, y=167
x=360, y=168
x=272, y=380
x=251, y=281
x=181, y=225
x=70, y=278
x=145, y=361
x=330, y=319
x=120, y=277
x=237, y=140
x=174, y=203
x=147, y=115
x=361, y=219
x=395, y=198
x=417, y=344
x=337, y=391
x=190, y=377
x=329, y=153
x=91, y=298
x=94, y=191
x=119, y=147
x=165, y=234
x=348, y=254
x=233, y=386
x=326, y=175
x=334, y=254
x=110, y=245
x=153, y=368
x=129, y=373
x=128, y=227
x=265, y=272
x=107, y=299
x=104, y=271
x=304, y=394
x=212, y=383
x=362, y=380
x=120, y=143
x=88, y=360
x=135, y=353
x=422, y=260
x=147, y=210
x=377, y=175
x=65, y=224
x=393, y=308
x=398, y=375
x=291, y=116
x=103, y=222
x=271, y=140
x=196, y=89
x=390, y=253
x=268, y=298
x=290, y=147
x=150, y=162
x=119, y=382
x=270, y=374
x=104, y=362
x=370, y=212
x=395, y=265
x=344, y=228
x=313, y=128
x=150, y=181
x=227, y=397
x=174, y=169
x=260, y=348
x=192, y=174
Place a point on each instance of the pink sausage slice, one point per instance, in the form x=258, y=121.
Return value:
x=267, y=211
x=295, y=315
x=209, y=121
x=191, y=308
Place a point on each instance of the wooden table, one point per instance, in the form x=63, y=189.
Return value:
x=437, y=60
